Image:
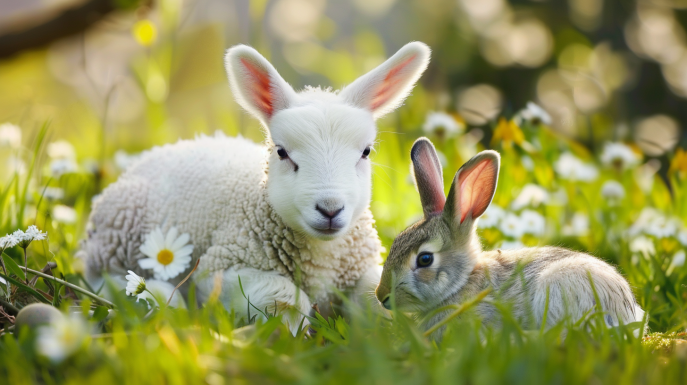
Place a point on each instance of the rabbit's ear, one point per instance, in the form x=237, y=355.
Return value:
x=256, y=85
x=473, y=187
x=428, y=176
x=385, y=87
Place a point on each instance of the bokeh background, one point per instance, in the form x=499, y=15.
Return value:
x=584, y=99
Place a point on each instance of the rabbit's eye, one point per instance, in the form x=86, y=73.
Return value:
x=282, y=153
x=425, y=260
x=366, y=152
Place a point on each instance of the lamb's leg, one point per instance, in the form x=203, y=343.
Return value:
x=266, y=290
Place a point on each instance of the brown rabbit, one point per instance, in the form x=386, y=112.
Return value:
x=439, y=260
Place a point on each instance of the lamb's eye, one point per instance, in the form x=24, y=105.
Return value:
x=366, y=151
x=282, y=153
x=425, y=260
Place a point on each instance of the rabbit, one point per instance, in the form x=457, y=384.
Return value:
x=439, y=260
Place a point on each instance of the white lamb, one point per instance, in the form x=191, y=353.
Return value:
x=290, y=218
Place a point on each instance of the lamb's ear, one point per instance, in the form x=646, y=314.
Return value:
x=255, y=83
x=385, y=87
x=428, y=176
x=473, y=188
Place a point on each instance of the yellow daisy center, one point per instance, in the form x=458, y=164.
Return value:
x=165, y=257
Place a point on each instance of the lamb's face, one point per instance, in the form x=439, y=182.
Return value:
x=319, y=167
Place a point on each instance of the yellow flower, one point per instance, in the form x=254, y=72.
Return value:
x=507, y=132
x=679, y=163
x=144, y=32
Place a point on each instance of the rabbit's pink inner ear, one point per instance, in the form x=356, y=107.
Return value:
x=477, y=187
x=389, y=87
x=428, y=177
x=259, y=87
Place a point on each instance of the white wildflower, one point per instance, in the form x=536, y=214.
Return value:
x=527, y=163
x=568, y=166
x=8, y=241
x=511, y=245
x=16, y=164
x=442, y=125
x=612, y=190
x=534, y=114
x=135, y=284
x=532, y=222
x=578, y=226
x=491, y=217
x=61, y=149
x=511, y=226
x=662, y=227
x=64, y=214
x=10, y=135
x=640, y=225
x=643, y=245
x=59, y=167
x=53, y=193
x=31, y=234
x=168, y=255
x=619, y=155
x=682, y=237
x=531, y=195
x=124, y=160
x=677, y=261
x=61, y=338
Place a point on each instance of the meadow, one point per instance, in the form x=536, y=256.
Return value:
x=585, y=184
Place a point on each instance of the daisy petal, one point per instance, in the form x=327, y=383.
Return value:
x=171, y=236
x=147, y=263
x=180, y=242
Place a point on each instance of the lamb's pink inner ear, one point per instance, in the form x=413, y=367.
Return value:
x=477, y=186
x=259, y=87
x=389, y=86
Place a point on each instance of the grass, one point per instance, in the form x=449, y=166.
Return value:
x=206, y=344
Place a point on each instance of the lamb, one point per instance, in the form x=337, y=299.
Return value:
x=289, y=218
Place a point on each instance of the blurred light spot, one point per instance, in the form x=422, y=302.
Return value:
x=655, y=34
x=657, y=134
x=373, y=8
x=483, y=12
x=528, y=43
x=156, y=87
x=479, y=104
x=144, y=32
x=296, y=20
x=586, y=14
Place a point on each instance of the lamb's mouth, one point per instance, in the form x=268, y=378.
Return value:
x=329, y=231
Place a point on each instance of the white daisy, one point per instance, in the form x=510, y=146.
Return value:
x=578, y=227
x=682, y=237
x=442, y=125
x=64, y=214
x=10, y=135
x=59, y=167
x=619, y=155
x=135, y=284
x=662, y=227
x=511, y=226
x=612, y=190
x=53, y=193
x=491, y=217
x=677, y=262
x=531, y=195
x=512, y=245
x=532, y=222
x=643, y=245
x=568, y=166
x=167, y=255
x=534, y=114
x=61, y=149
x=62, y=337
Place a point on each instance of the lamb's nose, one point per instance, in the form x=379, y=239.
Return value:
x=329, y=213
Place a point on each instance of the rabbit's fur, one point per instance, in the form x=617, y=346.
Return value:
x=460, y=269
